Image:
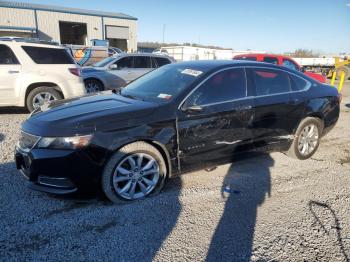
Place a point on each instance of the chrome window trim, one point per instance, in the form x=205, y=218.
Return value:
x=309, y=84
x=227, y=101
x=214, y=73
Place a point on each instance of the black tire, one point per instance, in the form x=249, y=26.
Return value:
x=42, y=89
x=294, y=151
x=93, y=85
x=342, y=69
x=124, y=153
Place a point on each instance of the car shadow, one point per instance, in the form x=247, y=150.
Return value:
x=245, y=187
x=13, y=110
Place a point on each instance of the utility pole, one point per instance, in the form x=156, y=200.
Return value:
x=163, y=33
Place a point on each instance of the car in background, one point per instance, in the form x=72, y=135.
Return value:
x=112, y=51
x=178, y=118
x=160, y=51
x=33, y=74
x=281, y=61
x=117, y=71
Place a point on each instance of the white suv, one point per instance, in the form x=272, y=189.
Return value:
x=34, y=74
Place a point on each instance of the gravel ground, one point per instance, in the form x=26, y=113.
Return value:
x=278, y=209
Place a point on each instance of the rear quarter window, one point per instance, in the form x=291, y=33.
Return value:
x=48, y=56
x=161, y=61
x=271, y=60
x=298, y=84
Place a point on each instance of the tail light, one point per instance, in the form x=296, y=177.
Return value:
x=340, y=97
x=75, y=71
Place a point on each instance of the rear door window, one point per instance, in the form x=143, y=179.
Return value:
x=269, y=81
x=290, y=64
x=7, y=57
x=48, y=56
x=142, y=62
x=162, y=61
x=222, y=87
x=271, y=60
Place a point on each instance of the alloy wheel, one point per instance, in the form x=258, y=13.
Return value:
x=92, y=87
x=308, y=139
x=42, y=98
x=136, y=176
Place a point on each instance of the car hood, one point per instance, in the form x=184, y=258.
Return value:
x=89, y=114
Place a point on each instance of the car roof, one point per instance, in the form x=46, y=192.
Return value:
x=30, y=44
x=249, y=54
x=259, y=54
x=143, y=54
x=217, y=64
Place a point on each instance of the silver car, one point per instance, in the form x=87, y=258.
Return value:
x=117, y=71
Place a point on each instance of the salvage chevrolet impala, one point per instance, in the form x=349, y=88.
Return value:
x=178, y=118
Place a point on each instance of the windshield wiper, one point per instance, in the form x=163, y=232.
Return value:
x=119, y=92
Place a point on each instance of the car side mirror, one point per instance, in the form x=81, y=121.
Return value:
x=113, y=67
x=302, y=69
x=192, y=109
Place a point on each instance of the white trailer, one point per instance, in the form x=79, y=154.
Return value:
x=324, y=65
x=188, y=53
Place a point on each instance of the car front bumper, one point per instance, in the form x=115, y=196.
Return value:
x=58, y=171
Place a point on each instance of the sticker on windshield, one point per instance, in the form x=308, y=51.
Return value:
x=165, y=96
x=192, y=72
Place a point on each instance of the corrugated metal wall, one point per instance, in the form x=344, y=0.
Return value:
x=48, y=23
x=16, y=17
x=132, y=24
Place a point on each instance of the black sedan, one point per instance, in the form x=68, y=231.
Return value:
x=178, y=118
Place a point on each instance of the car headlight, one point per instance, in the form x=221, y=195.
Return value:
x=73, y=142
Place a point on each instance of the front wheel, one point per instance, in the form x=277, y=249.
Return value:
x=135, y=171
x=307, y=138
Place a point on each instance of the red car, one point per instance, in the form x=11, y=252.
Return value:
x=280, y=60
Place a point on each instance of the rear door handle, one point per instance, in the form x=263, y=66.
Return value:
x=294, y=101
x=13, y=72
x=244, y=108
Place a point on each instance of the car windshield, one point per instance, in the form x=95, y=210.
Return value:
x=162, y=84
x=104, y=62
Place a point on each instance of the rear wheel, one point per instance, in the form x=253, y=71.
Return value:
x=134, y=172
x=307, y=138
x=93, y=85
x=41, y=96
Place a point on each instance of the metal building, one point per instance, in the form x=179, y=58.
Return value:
x=67, y=25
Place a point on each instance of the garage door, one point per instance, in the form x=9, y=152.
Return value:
x=117, y=32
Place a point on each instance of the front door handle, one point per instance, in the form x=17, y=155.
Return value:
x=13, y=71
